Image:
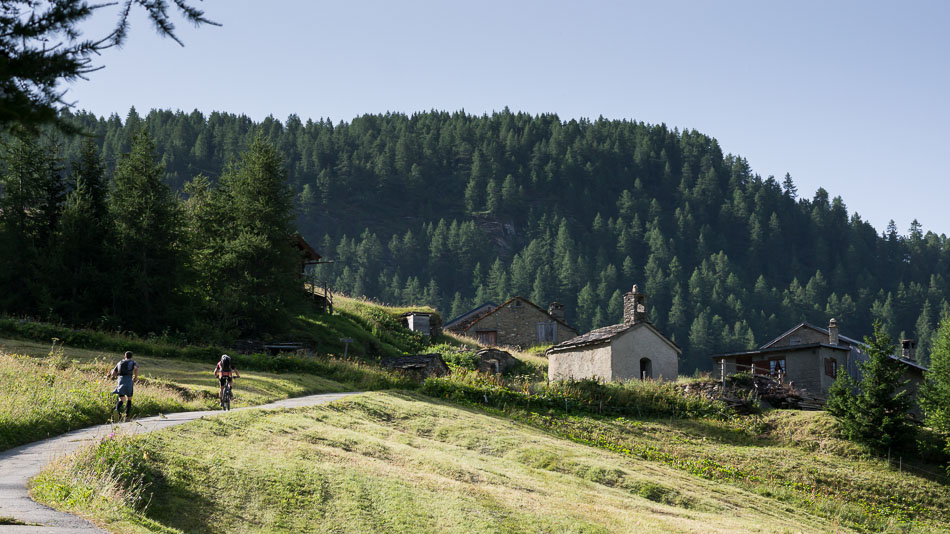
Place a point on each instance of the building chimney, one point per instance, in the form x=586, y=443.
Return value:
x=909, y=349
x=832, y=332
x=635, y=307
x=556, y=309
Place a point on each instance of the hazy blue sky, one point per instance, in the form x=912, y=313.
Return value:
x=851, y=96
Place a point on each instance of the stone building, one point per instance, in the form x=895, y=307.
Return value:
x=515, y=323
x=632, y=349
x=810, y=357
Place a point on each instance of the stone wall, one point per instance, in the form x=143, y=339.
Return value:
x=802, y=336
x=516, y=324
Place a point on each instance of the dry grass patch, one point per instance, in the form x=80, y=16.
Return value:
x=399, y=462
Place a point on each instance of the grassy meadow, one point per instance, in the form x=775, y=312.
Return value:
x=47, y=392
x=395, y=462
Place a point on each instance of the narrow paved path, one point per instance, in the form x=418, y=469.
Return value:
x=19, y=465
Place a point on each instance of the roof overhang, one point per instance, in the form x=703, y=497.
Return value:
x=784, y=348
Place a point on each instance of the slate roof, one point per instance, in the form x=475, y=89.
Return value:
x=454, y=323
x=783, y=348
x=603, y=335
x=819, y=329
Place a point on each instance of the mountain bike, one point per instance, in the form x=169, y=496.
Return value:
x=226, y=397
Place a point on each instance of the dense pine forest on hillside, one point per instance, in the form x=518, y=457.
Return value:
x=451, y=210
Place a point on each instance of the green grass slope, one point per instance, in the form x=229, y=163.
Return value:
x=46, y=394
x=395, y=462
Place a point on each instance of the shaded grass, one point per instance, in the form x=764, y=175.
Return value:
x=398, y=462
x=376, y=329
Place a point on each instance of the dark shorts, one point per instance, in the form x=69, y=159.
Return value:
x=224, y=380
x=124, y=387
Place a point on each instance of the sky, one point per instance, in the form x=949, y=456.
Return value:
x=851, y=96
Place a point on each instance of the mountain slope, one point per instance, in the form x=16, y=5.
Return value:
x=452, y=210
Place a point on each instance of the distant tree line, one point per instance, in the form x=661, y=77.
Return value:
x=114, y=247
x=452, y=209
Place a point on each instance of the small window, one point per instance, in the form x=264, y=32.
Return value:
x=795, y=341
x=777, y=368
x=516, y=304
x=831, y=367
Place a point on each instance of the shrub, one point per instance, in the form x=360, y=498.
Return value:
x=632, y=398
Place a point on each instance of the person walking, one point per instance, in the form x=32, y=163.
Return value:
x=127, y=371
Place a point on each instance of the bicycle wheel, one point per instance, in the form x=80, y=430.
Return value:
x=227, y=399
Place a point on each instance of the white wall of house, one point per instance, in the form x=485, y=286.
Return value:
x=617, y=360
x=637, y=343
x=583, y=362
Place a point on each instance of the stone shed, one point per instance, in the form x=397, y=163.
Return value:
x=634, y=349
x=517, y=323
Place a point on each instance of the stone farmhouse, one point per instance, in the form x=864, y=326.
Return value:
x=515, y=323
x=632, y=349
x=810, y=357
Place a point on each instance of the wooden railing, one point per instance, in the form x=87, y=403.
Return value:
x=320, y=293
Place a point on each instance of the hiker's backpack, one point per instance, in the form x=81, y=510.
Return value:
x=125, y=367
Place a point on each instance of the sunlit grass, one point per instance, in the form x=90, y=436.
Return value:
x=45, y=395
x=396, y=462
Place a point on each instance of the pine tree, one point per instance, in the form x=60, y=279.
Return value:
x=22, y=185
x=81, y=253
x=923, y=330
x=876, y=415
x=788, y=187
x=935, y=392
x=149, y=239
x=250, y=271
x=586, y=308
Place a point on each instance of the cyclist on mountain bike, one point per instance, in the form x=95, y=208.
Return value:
x=223, y=372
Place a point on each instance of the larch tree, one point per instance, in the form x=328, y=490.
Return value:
x=149, y=249
x=42, y=49
x=253, y=266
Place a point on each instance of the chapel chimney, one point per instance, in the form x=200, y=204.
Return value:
x=635, y=307
x=556, y=310
x=909, y=349
x=832, y=332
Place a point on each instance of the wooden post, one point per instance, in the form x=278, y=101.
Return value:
x=722, y=372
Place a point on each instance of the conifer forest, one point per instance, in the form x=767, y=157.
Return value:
x=135, y=226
